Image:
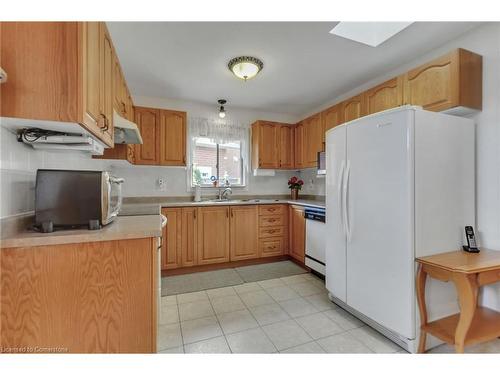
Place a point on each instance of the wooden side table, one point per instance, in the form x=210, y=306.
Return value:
x=474, y=324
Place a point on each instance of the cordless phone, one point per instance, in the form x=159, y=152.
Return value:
x=471, y=240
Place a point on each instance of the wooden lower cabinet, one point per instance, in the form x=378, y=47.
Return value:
x=297, y=224
x=171, y=256
x=196, y=236
x=213, y=235
x=244, y=225
x=93, y=297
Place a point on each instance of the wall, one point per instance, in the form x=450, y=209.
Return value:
x=484, y=40
x=19, y=162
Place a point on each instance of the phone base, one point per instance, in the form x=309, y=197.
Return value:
x=470, y=249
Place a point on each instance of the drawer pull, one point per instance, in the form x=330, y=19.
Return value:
x=271, y=220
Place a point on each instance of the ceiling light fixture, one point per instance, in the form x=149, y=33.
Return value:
x=370, y=33
x=245, y=67
x=222, y=111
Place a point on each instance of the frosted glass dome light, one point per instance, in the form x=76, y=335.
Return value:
x=245, y=67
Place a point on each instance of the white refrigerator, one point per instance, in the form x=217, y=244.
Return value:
x=400, y=184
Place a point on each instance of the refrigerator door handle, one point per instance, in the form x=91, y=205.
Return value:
x=340, y=200
x=346, y=204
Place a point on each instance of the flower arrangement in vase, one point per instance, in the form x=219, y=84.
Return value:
x=294, y=184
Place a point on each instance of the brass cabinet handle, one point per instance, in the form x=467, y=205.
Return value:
x=271, y=220
x=106, y=126
x=194, y=213
x=227, y=212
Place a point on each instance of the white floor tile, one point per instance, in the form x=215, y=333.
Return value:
x=306, y=288
x=169, y=314
x=374, y=340
x=192, y=297
x=272, y=283
x=286, y=334
x=309, y=348
x=268, y=314
x=169, y=336
x=342, y=343
x=195, y=310
x=250, y=341
x=321, y=302
x=200, y=329
x=227, y=304
x=490, y=347
x=169, y=300
x=177, y=350
x=282, y=293
x=236, y=321
x=293, y=279
x=344, y=319
x=221, y=292
x=318, y=325
x=247, y=287
x=256, y=298
x=298, y=307
x=215, y=345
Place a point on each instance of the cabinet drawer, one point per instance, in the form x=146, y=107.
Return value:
x=271, y=232
x=271, y=209
x=271, y=220
x=271, y=247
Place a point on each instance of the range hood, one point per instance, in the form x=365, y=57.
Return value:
x=126, y=132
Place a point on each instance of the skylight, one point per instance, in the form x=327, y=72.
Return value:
x=370, y=33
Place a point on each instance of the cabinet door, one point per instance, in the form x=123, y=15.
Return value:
x=286, y=147
x=147, y=120
x=107, y=98
x=172, y=137
x=268, y=145
x=171, y=241
x=434, y=85
x=384, y=96
x=92, y=77
x=353, y=108
x=118, y=88
x=312, y=140
x=213, y=235
x=189, y=236
x=244, y=226
x=297, y=233
x=331, y=118
x=299, y=145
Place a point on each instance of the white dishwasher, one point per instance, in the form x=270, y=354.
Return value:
x=315, y=239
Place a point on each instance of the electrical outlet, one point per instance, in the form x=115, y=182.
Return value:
x=311, y=183
x=161, y=184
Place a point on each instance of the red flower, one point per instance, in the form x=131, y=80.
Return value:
x=300, y=182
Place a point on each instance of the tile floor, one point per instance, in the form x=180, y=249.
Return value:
x=284, y=315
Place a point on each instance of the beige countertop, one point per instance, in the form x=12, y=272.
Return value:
x=151, y=204
x=15, y=232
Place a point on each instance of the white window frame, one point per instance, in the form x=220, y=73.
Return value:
x=243, y=164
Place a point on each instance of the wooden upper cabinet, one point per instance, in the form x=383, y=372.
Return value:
x=172, y=138
x=297, y=225
x=384, y=96
x=453, y=80
x=189, y=248
x=353, y=108
x=213, y=235
x=265, y=145
x=244, y=226
x=171, y=239
x=286, y=146
x=331, y=117
x=107, y=72
x=312, y=140
x=58, y=71
x=148, y=121
x=299, y=145
x=92, y=102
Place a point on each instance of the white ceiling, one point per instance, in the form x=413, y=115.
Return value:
x=304, y=65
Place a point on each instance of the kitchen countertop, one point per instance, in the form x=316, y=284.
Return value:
x=122, y=228
x=152, y=204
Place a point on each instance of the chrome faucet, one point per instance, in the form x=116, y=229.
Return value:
x=223, y=193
